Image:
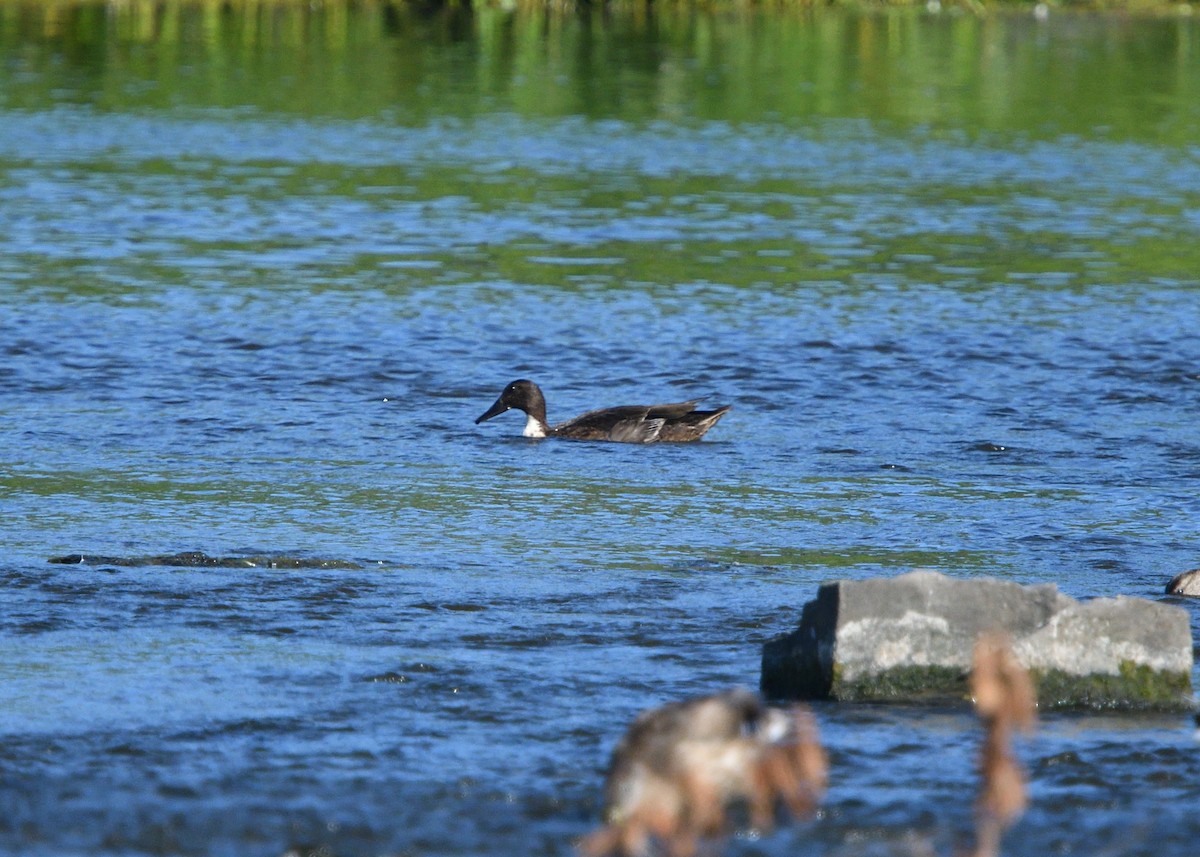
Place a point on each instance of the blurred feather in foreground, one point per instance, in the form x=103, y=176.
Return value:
x=680, y=768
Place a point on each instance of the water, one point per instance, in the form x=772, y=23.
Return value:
x=250, y=306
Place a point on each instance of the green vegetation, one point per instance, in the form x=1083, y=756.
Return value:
x=1137, y=688
x=905, y=684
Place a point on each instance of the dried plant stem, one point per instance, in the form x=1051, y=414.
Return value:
x=1006, y=702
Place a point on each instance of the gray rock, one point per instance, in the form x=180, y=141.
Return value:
x=909, y=638
x=1185, y=583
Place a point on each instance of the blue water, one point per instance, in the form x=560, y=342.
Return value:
x=262, y=336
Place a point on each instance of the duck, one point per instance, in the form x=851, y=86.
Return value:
x=681, y=767
x=676, y=422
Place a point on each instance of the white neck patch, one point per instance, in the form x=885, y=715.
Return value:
x=533, y=427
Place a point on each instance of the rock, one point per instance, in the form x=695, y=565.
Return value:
x=909, y=639
x=1185, y=583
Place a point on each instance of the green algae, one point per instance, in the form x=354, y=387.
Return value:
x=1136, y=687
x=901, y=684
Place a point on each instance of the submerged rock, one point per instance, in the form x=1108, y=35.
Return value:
x=1185, y=583
x=197, y=559
x=909, y=639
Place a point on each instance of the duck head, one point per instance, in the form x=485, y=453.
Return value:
x=525, y=396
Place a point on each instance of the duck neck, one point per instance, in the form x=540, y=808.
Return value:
x=535, y=414
x=535, y=427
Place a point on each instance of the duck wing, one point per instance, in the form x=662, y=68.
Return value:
x=639, y=430
x=672, y=411
x=625, y=424
x=692, y=425
x=676, y=421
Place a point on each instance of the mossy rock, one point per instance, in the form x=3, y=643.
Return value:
x=932, y=684
x=909, y=639
x=1135, y=688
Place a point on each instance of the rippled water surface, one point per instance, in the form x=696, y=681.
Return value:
x=247, y=316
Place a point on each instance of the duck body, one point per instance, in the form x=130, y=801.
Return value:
x=677, y=422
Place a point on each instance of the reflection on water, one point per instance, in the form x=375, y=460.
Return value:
x=1004, y=72
x=261, y=266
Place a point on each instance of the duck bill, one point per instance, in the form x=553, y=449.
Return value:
x=495, y=410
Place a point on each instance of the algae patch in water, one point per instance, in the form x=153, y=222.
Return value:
x=199, y=559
